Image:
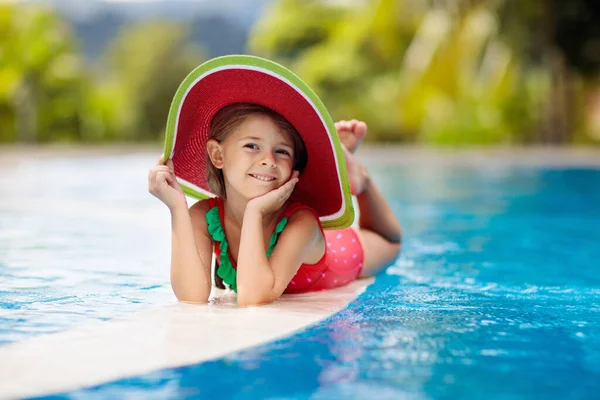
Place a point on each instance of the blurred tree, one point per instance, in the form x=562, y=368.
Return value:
x=40, y=76
x=415, y=72
x=47, y=93
x=575, y=28
x=442, y=71
x=350, y=55
x=562, y=39
x=147, y=61
x=576, y=32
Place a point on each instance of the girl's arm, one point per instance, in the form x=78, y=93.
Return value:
x=261, y=280
x=191, y=247
x=191, y=253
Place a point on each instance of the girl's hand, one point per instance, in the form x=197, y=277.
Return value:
x=275, y=199
x=163, y=185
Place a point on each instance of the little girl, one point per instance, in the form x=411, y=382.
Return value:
x=254, y=160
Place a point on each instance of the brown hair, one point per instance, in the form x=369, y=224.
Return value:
x=229, y=118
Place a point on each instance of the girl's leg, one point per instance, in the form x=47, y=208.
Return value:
x=379, y=230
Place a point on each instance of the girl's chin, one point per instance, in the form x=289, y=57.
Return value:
x=257, y=192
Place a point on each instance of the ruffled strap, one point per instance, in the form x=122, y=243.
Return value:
x=215, y=229
x=275, y=235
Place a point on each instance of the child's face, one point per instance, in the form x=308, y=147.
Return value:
x=257, y=158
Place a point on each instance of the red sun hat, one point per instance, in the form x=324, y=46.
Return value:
x=223, y=81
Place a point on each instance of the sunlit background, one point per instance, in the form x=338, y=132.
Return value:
x=495, y=294
x=426, y=72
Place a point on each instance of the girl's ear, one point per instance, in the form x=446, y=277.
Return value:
x=215, y=153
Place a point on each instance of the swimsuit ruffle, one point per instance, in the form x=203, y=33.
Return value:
x=226, y=270
x=275, y=235
x=215, y=229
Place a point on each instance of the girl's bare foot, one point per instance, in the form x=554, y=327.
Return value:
x=351, y=133
x=357, y=173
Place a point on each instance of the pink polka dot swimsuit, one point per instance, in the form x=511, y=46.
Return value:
x=341, y=263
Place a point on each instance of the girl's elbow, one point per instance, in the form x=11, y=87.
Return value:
x=256, y=292
x=252, y=302
x=246, y=298
x=192, y=297
x=190, y=293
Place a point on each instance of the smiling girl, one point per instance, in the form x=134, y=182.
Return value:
x=262, y=221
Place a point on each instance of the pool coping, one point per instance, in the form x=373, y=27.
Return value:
x=158, y=338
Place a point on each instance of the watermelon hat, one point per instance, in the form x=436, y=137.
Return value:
x=227, y=80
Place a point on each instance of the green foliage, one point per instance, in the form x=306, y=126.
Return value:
x=148, y=62
x=144, y=65
x=448, y=72
x=40, y=76
x=48, y=93
x=415, y=72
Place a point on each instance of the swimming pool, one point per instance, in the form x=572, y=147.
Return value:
x=495, y=295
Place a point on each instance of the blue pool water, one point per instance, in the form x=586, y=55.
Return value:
x=80, y=240
x=495, y=295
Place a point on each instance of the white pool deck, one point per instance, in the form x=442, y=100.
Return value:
x=171, y=336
